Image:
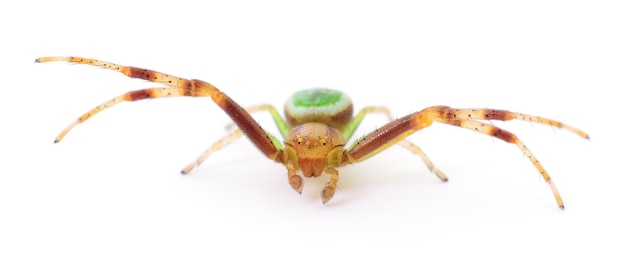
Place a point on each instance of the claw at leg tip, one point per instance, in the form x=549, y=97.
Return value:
x=298, y=188
x=187, y=169
x=58, y=139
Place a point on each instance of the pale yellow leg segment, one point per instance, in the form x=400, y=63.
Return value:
x=225, y=141
x=416, y=150
x=489, y=129
x=127, y=97
x=329, y=191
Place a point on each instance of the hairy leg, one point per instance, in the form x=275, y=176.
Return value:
x=265, y=142
x=230, y=138
x=236, y=134
x=358, y=118
x=399, y=129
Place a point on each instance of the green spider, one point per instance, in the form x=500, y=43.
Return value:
x=317, y=125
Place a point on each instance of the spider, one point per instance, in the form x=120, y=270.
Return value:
x=317, y=124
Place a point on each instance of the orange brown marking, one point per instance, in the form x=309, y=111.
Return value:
x=494, y=114
x=139, y=95
x=504, y=135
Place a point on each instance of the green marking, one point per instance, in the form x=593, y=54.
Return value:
x=277, y=143
x=318, y=97
x=317, y=105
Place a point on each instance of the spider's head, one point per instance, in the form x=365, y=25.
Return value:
x=312, y=143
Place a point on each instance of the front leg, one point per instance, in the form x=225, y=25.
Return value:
x=401, y=128
x=266, y=143
x=348, y=131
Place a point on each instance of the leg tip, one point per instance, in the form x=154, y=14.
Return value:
x=327, y=194
x=296, y=183
x=187, y=169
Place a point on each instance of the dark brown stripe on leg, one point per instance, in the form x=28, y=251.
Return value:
x=139, y=94
x=504, y=135
x=495, y=114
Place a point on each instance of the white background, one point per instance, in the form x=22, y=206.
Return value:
x=110, y=196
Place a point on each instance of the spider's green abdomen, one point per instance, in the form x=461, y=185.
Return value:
x=316, y=98
x=322, y=105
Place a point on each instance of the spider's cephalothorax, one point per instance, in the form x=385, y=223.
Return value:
x=317, y=124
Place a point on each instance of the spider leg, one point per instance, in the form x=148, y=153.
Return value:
x=236, y=134
x=416, y=150
x=280, y=122
x=129, y=96
x=132, y=72
x=266, y=143
x=348, y=131
x=230, y=138
x=354, y=123
x=399, y=129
